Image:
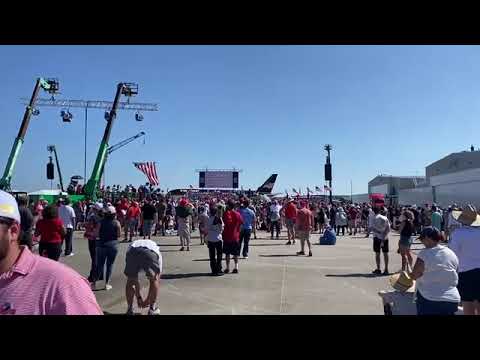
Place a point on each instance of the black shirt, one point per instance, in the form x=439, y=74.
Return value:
x=26, y=218
x=148, y=211
x=407, y=229
x=161, y=208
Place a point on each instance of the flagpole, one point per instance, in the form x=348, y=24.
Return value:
x=351, y=191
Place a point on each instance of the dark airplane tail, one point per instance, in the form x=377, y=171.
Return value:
x=267, y=186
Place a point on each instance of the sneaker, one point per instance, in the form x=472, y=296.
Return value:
x=293, y=242
x=154, y=312
x=188, y=249
x=386, y=272
x=245, y=257
x=220, y=273
x=235, y=271
x=182, y=249
x=71, y=254
x=226, y=271
x=310, y=253
x=288, y=242
x=377, y=272
x=301, y=253
x=129, y=312
x=108, y=287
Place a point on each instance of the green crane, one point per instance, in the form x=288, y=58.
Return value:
x=49, y=85
x=91, y=188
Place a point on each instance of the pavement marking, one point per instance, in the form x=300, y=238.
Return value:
x=283, y=286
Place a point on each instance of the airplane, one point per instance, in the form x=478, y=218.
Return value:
x=264, y=189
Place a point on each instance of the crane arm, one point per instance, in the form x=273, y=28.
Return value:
x=53, y=149
x=123, y=143
x=91, y=186
x=41, y=83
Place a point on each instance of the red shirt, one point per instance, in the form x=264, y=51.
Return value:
x=291, y=211
x=353, y=214
x=133, y=212
x=232, y=221
x=304, y=219
x=50, y=230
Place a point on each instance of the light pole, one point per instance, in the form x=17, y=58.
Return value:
x=328, y=170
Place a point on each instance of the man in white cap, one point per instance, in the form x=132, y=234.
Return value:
x=34, y=285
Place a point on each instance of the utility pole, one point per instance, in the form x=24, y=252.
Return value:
x=328, y=170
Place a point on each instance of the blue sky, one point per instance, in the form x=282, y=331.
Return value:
x=264, y=109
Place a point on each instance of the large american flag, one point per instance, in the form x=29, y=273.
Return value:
x=150, y=171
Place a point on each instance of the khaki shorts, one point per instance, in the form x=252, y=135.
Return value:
x=303, y=235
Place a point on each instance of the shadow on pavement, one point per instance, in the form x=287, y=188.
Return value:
x=239, y=258
x=264, y=244
x=354, y=275
x=279, y=255
x=183, y=276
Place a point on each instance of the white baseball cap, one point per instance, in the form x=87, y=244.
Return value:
x=8, y=207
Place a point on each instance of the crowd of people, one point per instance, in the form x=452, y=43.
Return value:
x=226, y=223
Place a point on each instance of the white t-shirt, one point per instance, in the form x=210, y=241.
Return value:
x=380, y=227
x=465, y=243
x=67, y=214
x=275, y=212
x=439, y=280
x=149, y=244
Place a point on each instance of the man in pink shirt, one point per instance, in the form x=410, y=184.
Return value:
x=34, y=285
x=304, y=225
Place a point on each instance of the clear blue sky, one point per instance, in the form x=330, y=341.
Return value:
x=264, y=109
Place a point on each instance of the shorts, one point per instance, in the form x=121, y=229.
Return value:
x=428, y=307
x=141, y=258
x=303, y=235
x=377, y=243
x=231, y=248
x=290, y=223
x=405, y=241
x=147, y=227
x=132, y=224
x=469, y=285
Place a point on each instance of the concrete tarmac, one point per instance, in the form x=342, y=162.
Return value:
x=336, y=280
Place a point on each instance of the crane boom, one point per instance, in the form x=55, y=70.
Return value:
x=53, y=149
x=123, y=143
x=49, y=85
x=91, y=187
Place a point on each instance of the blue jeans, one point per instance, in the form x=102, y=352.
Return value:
x=428, y=307
x=245, y=238
x=106, y=252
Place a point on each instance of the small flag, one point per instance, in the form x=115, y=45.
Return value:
x=191, y=187
x=309, y=191
x=326, y=188
x=150, y=171
x=318, y=189
x=295, y=191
